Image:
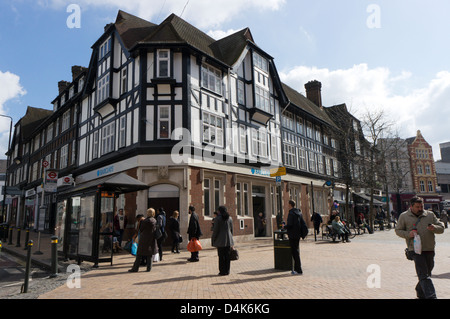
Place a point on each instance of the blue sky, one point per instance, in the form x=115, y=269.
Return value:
x=385, y=55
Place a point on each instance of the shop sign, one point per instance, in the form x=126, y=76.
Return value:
x=51, y=181
x=30, y=192
x=262, y=172
x=67, y=180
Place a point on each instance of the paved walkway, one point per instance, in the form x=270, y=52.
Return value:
x=331, y=271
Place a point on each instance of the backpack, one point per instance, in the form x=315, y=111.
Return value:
x=303, y=228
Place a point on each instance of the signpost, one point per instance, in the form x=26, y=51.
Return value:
x=278, y=173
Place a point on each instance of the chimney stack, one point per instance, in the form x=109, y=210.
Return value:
x=62, y=85
x=76, y=71
x=314, y=92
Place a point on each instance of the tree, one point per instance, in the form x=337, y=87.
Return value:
x=375, y=128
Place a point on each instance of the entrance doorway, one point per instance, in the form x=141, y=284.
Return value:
x=259, y=210
x=168, y=197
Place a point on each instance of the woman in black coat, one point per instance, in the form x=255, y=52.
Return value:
x=175, y=227
x=147, y=246
x=222, y=239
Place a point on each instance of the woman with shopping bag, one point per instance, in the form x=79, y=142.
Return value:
x=147, y=246
x=194, y=233
x=222, y=239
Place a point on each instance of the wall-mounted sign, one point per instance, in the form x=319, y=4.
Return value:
x=51, y=181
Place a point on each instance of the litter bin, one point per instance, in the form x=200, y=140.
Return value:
x=282, y=250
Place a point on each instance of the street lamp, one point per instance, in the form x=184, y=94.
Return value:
x=7, y=160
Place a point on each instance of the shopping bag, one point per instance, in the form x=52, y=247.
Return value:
x=134, y=247
x=156, y=257
x=194, y=245
x=417, y=244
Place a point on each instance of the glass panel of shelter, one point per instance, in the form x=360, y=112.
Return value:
x=106, y=238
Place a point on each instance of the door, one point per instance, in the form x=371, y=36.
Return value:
x=259, y=211
x=167, y=197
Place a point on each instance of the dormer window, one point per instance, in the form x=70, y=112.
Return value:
x=163, y=63
x=260, y=62
x=105, y=48
x=80, y=84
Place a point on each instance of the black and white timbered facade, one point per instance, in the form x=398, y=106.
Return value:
x=200, y=121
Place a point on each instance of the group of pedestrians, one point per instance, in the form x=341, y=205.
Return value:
x=149, y=243
x=414, y=222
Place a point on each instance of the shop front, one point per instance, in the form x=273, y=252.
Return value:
x=85, y=215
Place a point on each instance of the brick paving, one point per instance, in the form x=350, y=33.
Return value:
x=331, y=271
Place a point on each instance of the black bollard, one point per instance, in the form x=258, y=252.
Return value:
x=27, y=269
x=54, y=257
x=18, y=237
x=5, y=233
x=27, y=237
x=10, y=235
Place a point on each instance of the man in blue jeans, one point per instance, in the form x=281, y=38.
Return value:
x=414, y=221
x=293, y=228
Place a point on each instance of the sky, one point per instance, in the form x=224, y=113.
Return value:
x=372, y=55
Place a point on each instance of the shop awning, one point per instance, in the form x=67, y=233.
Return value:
x=118, y=183
x=367, y=199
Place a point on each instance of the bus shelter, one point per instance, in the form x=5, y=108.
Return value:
x=85, y=218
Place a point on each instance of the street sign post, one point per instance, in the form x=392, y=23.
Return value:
x=281, y=171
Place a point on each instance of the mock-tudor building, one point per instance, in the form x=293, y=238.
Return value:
x=166, y=116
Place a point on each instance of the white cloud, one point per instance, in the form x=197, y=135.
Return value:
x=10, y=89
x=202, y=13
x=363, y=88
x=220, y=34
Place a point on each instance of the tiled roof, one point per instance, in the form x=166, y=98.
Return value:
x=302, y=102
x=31, y=119
x=174, y=30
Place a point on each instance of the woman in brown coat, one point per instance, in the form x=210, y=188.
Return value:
x=147, y=246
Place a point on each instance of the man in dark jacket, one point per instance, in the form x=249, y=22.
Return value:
x=194, y=231
x=293, y=228
x=161, y=222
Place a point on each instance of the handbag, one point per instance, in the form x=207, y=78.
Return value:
x=180, y=239
x=234, y=254
x=409, y=254
x=158, y=233
x=127, y=246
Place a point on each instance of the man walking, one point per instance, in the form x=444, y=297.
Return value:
x=293, y=228
x=414, y=221
x=194, y=231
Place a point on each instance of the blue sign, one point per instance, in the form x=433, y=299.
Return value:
x=105, y=171
x=278, y=179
